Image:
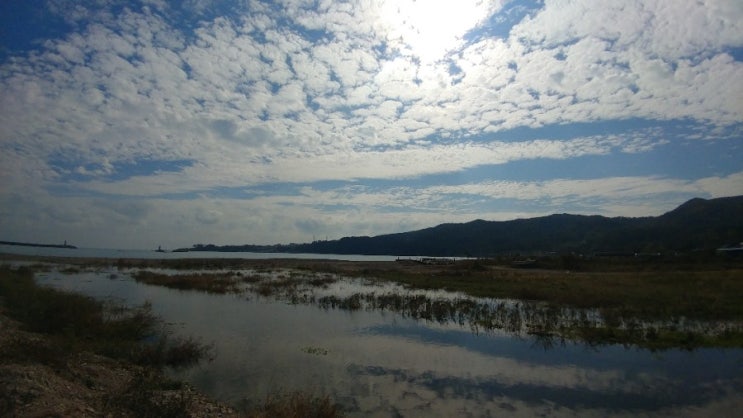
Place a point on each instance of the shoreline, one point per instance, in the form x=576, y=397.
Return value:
x=710, y=289
x=619, y=290
x=86, y=384
x=66, y=354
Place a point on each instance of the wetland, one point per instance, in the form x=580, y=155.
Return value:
x=478, y=337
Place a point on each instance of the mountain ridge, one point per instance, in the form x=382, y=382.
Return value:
x=698, y=224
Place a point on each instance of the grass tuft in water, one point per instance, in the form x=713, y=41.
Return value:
x=318, y=351
x=80, y=323
x=295, y=405
x=211, y=282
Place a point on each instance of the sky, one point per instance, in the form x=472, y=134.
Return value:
x=138, y=123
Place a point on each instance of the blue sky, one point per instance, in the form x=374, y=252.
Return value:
x=132, y=124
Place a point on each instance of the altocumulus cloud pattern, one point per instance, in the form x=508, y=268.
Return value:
x=134, y=123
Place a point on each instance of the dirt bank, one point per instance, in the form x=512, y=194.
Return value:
x=34, y=384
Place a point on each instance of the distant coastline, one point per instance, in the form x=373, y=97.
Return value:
x=30, y=244
x=711, y=225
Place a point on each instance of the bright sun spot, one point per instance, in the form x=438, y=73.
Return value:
x=428, y=29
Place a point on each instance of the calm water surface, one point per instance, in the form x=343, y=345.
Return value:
x=151, y=254
x=383, y=364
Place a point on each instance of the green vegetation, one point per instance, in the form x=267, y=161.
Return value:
x=715, y=294
x=547, y=323
x=624, y=291
x=80, y=323
x=138, y=397
x=294, y=405
x=654, y=304
x=69, y=325
x=206, y=282
x=650, y=303
x=318, y=351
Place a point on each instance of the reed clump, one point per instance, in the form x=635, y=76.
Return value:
x=661, y=294
x=213, y=282
x=68, y=339
x=79, y=323
x=295, y=404
x=547, y=324
x=593, y=300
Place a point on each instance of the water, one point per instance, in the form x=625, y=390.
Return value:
x=151, y=254
x=383, y=364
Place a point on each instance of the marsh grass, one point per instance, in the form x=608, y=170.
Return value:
x=548, y=323
x=283, y=285
x=637, y=301
x=77, y=323
x=322, y=281
x=707, y=295
x=264, y=282
x=318, y=351
x=63, y=325
x=294, y=405
x=650, y=309
x=207, y=282
x=147, y=396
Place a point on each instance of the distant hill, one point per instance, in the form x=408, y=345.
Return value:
x=698, y=224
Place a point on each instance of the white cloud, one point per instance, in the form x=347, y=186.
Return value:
x=670, y=29
x=132, y=76
x=373, y=94
x=235, y=170
x=613, y=196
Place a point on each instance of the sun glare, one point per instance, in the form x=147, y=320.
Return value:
x=428, y=29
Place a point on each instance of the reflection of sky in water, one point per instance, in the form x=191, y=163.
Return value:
x=379, y=363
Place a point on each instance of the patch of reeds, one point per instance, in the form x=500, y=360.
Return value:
x=322, y=281
x=206, y=282
x=530, y=311
x=621, y=294
x=547, y=324
x=151, y=395
x=281, y=285
x=318, y=351
x=182, y=264
x=703, y=295
x=78, y=323
x=294, y=405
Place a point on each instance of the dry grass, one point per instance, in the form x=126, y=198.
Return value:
x=59, y=328
x=79, y=323
x=206, y=282
x=622, y=290
x=704, y=295
x=295, y=405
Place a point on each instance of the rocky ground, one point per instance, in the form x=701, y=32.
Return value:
x=36, y=383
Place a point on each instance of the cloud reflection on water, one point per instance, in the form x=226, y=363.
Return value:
x=386, y=364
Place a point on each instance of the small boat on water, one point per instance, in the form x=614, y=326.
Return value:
x=159, y=249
